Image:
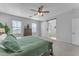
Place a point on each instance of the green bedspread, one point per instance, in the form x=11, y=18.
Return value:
x=30, y=46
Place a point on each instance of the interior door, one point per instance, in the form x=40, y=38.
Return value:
x=75, y=31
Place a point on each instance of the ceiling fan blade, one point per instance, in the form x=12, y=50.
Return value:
x=35, y=14
x=45, y=11
x=33, y=10
x=41, y=8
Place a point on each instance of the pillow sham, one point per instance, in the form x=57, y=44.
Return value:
x=10, y=44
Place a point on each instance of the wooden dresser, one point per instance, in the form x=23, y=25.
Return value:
x=27, y=32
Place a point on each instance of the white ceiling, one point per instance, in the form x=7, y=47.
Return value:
x=23, y=9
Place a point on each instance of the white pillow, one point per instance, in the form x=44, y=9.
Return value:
x=2, y=37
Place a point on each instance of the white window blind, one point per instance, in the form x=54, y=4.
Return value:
x=16, y=26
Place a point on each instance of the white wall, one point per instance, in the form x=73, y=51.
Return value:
x=64, y=27
x=75, y=27
x=44, y=29
x=7, y=18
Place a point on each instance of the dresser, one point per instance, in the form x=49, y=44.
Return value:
x=27, y=32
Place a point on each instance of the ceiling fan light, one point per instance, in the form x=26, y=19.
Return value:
x=40, y=14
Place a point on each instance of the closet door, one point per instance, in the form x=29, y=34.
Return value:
x=75, y=31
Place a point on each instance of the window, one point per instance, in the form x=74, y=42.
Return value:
x=52, y=27
x=34, y=27
x=16, y=27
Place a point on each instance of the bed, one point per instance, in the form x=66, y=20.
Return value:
x=30, y=45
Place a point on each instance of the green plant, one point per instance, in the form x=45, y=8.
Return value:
x=7, y=30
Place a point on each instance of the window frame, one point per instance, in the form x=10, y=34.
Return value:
x=51, y=29
x=18, y=27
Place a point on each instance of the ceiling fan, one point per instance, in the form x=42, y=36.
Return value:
x=39, y=11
